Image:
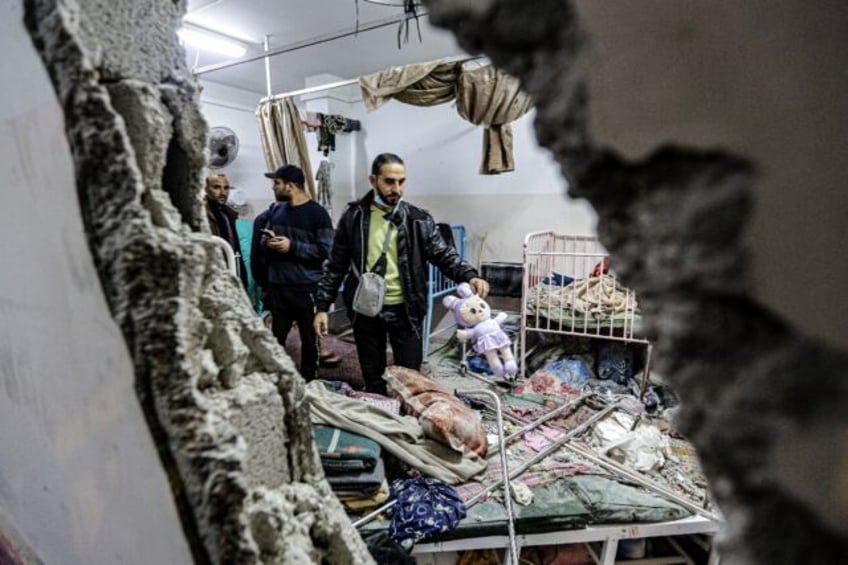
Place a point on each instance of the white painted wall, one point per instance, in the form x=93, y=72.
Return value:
x=236, y=109
x=80, y=478
x=443, y=153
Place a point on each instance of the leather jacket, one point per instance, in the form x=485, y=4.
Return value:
x=418, y=241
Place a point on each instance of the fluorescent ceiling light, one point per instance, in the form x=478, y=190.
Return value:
x=209, y=42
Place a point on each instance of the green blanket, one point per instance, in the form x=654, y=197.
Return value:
x=568, y=503
x=345, y=452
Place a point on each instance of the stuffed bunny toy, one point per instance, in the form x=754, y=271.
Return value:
x=474, y=316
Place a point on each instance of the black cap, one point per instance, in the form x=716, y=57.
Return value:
x=288, y=173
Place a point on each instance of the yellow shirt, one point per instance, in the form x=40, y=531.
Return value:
x=376, y=236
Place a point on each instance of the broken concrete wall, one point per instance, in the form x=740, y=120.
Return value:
x=222, y=399
x=710, y=137
x=80, y=479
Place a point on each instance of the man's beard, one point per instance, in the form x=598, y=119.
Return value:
x=283, y=197
x=389, y=200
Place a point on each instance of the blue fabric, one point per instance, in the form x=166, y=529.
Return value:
x=557, y=279
x=572, y=372
x=478, y=364
x=425, y=507
x=615, y=361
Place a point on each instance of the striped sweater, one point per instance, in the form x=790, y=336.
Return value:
x=310, y=230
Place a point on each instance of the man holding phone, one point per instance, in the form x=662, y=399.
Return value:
x=291, y=241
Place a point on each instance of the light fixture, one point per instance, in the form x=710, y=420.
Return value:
x=395, y=3
x=209, y=41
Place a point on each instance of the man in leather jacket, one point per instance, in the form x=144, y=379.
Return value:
x=412, y=241
x=222, y=218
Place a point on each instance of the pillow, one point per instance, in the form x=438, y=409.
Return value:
x=442, y=416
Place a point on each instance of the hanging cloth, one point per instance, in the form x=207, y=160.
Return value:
x=422, y=84
x=325, y=185
x=331, y=124
x=487, y=96
x=283, y=140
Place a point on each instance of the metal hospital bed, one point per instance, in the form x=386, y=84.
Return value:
x=439, y=285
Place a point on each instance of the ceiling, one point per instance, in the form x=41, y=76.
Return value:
x=291, y=22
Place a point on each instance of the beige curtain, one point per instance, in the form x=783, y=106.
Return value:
x=488, y=96
x=422, y=84
x=484, y=96
x=283, y=140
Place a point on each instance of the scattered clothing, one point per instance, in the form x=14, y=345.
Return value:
x=387, y=551
x=425, y=507
x=358, y=504
x=615, y=361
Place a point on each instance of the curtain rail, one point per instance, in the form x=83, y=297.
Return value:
x=348, y=82
x=376, y=24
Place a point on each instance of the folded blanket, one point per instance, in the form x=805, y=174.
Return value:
x=358, y=485
x=356, y=504
x=345, y=452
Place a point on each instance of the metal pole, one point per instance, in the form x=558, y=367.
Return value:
x=229, y=255
x=542, y=454
x=507, y=488
x=536, y=423
x=303, y=44
x=268, y=90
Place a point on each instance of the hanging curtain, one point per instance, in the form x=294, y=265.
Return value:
x=484, y=96
x=487, y=96
x=422, y=84
x=283, y=140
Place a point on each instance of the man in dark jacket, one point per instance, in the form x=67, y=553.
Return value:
x=413, y=240
x=291, y=241
x=222, y=218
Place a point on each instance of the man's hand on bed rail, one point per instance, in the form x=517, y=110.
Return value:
x=480, y=287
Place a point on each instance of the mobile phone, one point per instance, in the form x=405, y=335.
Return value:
x=269, y=233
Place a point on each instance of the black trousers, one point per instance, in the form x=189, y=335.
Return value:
x=370, y=335
x=287, y=306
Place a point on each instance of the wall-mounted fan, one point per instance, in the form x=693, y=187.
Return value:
x=223, y=147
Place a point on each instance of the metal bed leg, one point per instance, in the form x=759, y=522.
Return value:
x=608, y=552
x=507, y=488
x=643, y=386
x=428, y=321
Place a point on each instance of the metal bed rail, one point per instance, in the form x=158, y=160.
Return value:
x=438, y=285
x=561, y=270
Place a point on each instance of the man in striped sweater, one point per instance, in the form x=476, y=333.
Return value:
x=291, y=241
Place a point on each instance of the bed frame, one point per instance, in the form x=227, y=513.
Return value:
x=438, y=285
x=559, y=295
x=602, y=540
